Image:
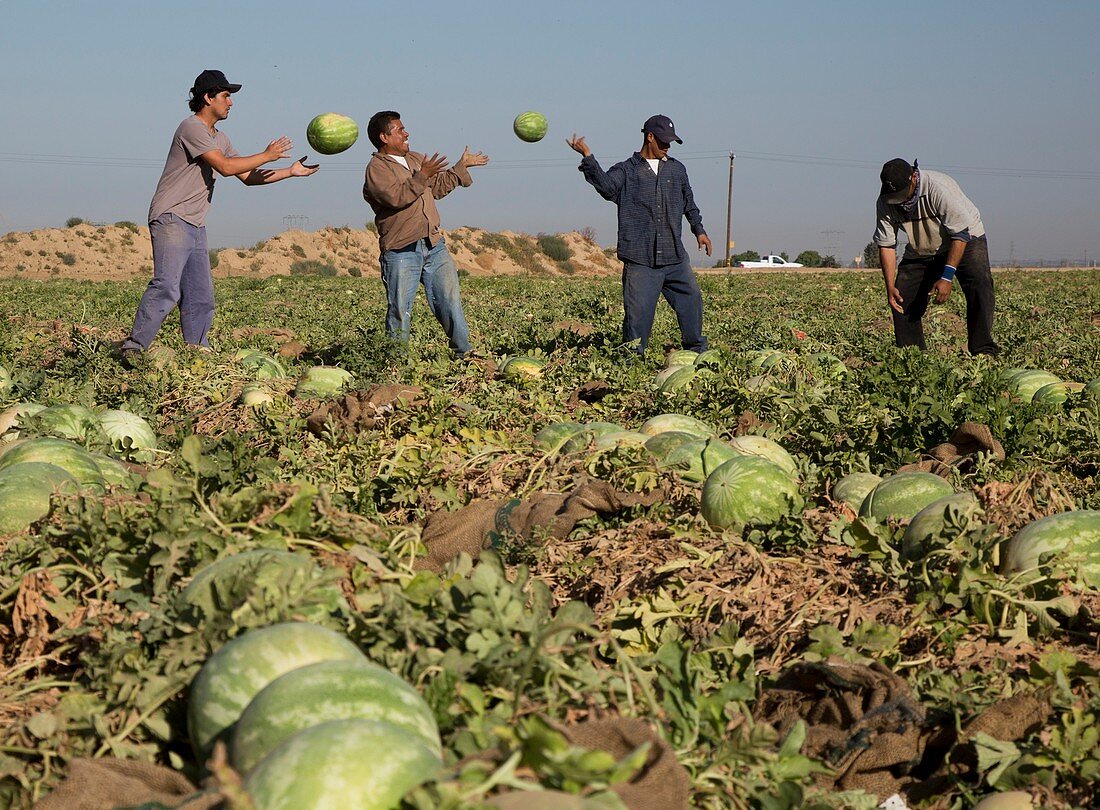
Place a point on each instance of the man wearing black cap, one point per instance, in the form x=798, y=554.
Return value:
x=946, y=242
x=653, y=195
x=177, y=214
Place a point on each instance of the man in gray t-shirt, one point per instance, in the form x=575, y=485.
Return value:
x=946, y=237
x=177, y=214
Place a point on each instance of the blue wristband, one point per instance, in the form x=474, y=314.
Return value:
x=948, y=273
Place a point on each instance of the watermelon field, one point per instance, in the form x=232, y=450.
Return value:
x=802, y=569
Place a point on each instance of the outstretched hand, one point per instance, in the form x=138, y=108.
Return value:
x=300, y=168
x=433, y=165
x=278, y=149
x=578, y=145
x=469, y=158
x=894, y=299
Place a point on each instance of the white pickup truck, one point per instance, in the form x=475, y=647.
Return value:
x=770, y=261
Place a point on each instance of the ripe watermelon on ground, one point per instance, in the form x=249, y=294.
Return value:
x=590, y=433
x=361, y=764
x=523, y=367
x=697, y=459
x=664, y=422
x=681, y=357
x=330, y=690
x=1027, y=381
x=25, y=492
x=853, y=488
x=319, y=382
x=331, y=133
x=530, y=126
x=679, y=379
x=620, y=438
x=764, y=447
x=749, y=490
x=1056, y=393
x=662, y=444
x=70, y=457
x=901, y=496
x=237, y=672
x=1069, y=540
x=929, y=521
x=553, y=437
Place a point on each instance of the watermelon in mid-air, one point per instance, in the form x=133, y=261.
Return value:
x=530, y=126
x=331, y=133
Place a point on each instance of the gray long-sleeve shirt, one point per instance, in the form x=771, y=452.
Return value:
x=941, y=213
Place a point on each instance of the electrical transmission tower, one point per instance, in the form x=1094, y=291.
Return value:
x=295, y=222
x=832, y=243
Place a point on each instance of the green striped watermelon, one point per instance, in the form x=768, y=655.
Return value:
x=765, y=448
x=664, y=422
x=553, y=437
x=331, y=133
x=330, y=690
x=1026, y=382
x=662, y=444
x=25, y=492
x=681, y=357
x=320, y=382
x=697, y=459
x=361, y=764
x=751, y=490
x=929, y=521
x=523, y=367
x=679, y=379
x=1057, y=392
x=239, y=670
x=1068, y=540
x=620, y=438
x=901, y=496
x=590, y=433
x=853, y=488
x=72, y=458
x=530, y=126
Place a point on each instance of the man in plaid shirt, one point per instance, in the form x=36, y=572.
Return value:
x=653, y=195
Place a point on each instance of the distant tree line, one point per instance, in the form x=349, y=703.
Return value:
x=807, y=258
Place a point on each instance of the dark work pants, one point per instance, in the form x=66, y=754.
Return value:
x=643, y=285
x=914, y=281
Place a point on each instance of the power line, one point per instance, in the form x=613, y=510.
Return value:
x=541, y=163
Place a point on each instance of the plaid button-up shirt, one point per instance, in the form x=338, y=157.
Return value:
x=651, y=207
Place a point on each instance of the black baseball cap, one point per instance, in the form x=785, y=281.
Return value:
x=662, y=129
x=895, y=176
x=210, y=81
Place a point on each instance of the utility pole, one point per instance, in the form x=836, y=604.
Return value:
x=295, y=222
x=832, y=242
x=729, y=210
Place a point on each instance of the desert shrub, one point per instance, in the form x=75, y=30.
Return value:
x=258, y=246
x=146, y=268
x=312, y=267
x=67, y=259
x=21, y=268
x=72, y=222
x=241, y=254
x=463, y=272
x=588, y=234
x=213, y=258
x=256, y=266
x=555, y=247
x=11, y=239
x=355, y=272
x=34, y=237
x=610, y=252
x=567, y=267
x=128, y=225
x=370, y=226
x=298, y=250
x=43, y=253
x=101, y=230
x=28, y=252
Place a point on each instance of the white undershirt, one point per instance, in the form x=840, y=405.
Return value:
x=400, y=159
x=653, y=163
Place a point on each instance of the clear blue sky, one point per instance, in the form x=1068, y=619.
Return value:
x=811, y=96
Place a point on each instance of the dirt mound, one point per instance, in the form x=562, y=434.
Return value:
x=122, y=251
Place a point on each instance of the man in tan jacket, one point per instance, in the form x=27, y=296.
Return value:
x=402, y=187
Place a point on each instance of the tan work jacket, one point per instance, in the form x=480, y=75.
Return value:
x=403, y=199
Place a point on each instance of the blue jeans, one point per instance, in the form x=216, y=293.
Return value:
x=642, y=286
x=181, y=275
x=404, y=270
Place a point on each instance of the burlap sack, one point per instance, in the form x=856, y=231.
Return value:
x=106, y=784
x=361, y=410
x=485, y=524
x=661, y=784
x=959, y=452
